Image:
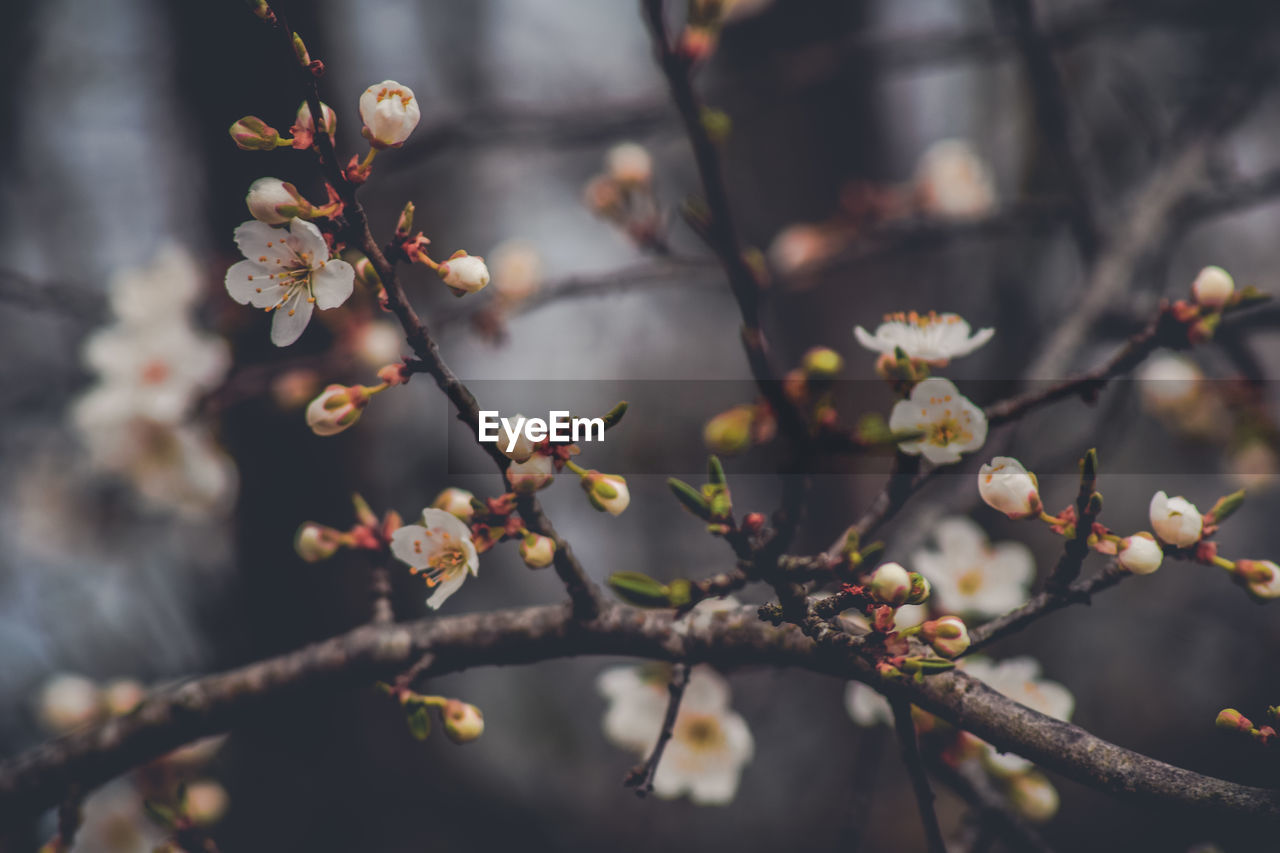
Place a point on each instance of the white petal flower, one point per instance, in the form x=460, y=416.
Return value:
x=1008, y=487
x=1019, y=679
x=970, y=575
x=629, y=163
x=441, y=549
x=160, y=367
x=866, y=707
x=158, y=292
x=705, y=614
x=1168, y=382
x=951, y=424
x=389, y=112
x=952, y=181
x=288, y=272
x=935, y=338
x=68, y=702
x=1175, y=520
x=709, y=743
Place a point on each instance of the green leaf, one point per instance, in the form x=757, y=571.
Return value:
x=419, y=719
x=690, y=497
x=639, y=589
x=614, y=415
x=715, y=471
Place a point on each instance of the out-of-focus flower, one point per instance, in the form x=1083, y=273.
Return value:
x=1168, y=382
x=1175, y=520
x=951, y=424
x=799, y=246
x=705, y=614
x=315, y=542
x=866, y=707
x=67, y=702
x=1033, y=796
x=463, y=722
x=440, y=549
x=153, y=371
x=1254, y=466
x=1008, y=487
x=709, y=744
x=953, y=182
x=537, y=472
x=1019, y=679
x=517, y=270
x=935, y=338
x=1213, y=287
x=464, y=273
x=1140, y=554
x=288, y=272
x=165, y=288
x=206, y=802
x=114, y=821
x=629, y=163
x=121, y=696
x=378, y=342
x=390, y=113
x=970, y=575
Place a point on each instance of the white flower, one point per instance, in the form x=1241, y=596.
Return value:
x=1140, y=554
x=537, y=551
x=68, y=702
x=866, y=707
x=953, y=182
x=288, y=272
x=709, y=742
x=1006, y=486
x=378, y=343
x=1019, y=679
x=935, y=338
x=1033, y=796
x=537, y=472
x=275, y=202
x=521, y=448
x=517, y=269
x=1175, y=520
x=1167, y=382
x=890, y=584
x=157, y=370
x=970, y=575
x=456, y=502
x=951, y=424
x=799, y=246
x=440, y=549
x=629, y=163
x=1213, y=287
x=464, y=273
x=389, y=112
x=156, y=293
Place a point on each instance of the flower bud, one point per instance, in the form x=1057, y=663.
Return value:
x=253, y=134
x=1008, y=487
x=920, y=589
x=519, y=450
x=389, y=112
x=1140, y=554
x=464, y=273
x=337, y=408
x=1233, y=720
x=275, y=202
x=1213, y=287
x=456, y=502
x=537, y=551
x=121, y=696
x=206, y=802
x=948, y=636
x=1033, y=796
x=67, y=702
x=822, y=363
x=533, y=474
x=304, y=122
x=1261, y=577
x=315, y=542
x=730, y=431
x=606, y=492
x=463, y=722
x=1175, y=520
x=629, y=164
x=891, y=584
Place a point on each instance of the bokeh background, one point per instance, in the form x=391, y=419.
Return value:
x=115, y=145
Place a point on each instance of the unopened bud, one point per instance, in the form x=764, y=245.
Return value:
x=67, y=702
x=463, y=722
x=464, y=273
x=629, y=164
x=206, y=802
x=920, y=589
x=306, y=124
x=404, y=225
x=1260, y=577
x=253, y=134
x=537, y=472
x=1213, y=287
x=948, y=636
x=336, y=408
x=1230, y=718
x=390, y=113
x=606, y=492
x=315, y=542
x=537, y=551
x=730, y=431
x=457, y=502
x=275, y=202
x=1140, y=554
x=822, y=363
x=891, y=584
x=1008, y=487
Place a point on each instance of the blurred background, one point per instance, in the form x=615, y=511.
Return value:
x=116, y=152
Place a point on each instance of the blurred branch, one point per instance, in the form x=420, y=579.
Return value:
x=1080, y=592
x=991, y=808
x=211, y=704
x=905, y=728
x=641, y=778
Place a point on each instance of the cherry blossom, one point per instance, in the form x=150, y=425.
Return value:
x=440, y=549
x=951, y=424
x=972, y=576
x=935, y=338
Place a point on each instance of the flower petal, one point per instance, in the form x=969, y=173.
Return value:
x=446, y=588
x=291, y=318
x=305, y=237
x=409, y=545
x=247, y=281
x=259, y=240
x=867, y=340
x=332, y=283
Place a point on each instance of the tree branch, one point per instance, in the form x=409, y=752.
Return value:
x=641, y=778
x=906, y=730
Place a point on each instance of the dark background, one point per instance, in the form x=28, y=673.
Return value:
x=116, y=115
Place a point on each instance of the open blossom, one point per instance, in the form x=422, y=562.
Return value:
x=1175, y=520
x=165, y=288
x=935, y=338
x=389, y=112
x=1019, y=679
x=288, y=272
x=951, y=424
x=709, y=743
x=440, y=549
x=953, y=182
x=972, y=576
x=1008, y=487
x=155, y=370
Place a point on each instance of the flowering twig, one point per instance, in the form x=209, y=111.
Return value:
x=641, y=777
x=1042, y=605
x=906, y=731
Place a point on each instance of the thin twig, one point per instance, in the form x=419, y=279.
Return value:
x=1042, y=605
x=906, y=729
x=641, y=777
x=973, y=786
